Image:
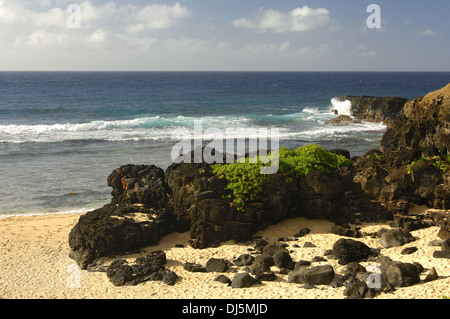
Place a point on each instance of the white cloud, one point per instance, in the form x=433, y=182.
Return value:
x=427, y=32
x=38, y=28
x=296, y=20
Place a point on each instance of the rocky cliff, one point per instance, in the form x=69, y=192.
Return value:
x=378, y=109
x=422, y=122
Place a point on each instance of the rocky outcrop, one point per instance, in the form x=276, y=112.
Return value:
x=342, y=120
x=400, y=178
x=423, y=122
x=377, y=109
x=118, y=229
x=138, y=215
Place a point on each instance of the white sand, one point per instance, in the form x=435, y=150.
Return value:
x=35, y=263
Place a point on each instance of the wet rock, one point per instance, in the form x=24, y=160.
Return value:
x=342, y=120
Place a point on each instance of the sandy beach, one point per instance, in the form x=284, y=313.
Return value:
x=35, y=264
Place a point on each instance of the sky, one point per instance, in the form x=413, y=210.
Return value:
x=226, y=35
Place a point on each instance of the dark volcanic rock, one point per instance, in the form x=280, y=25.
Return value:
x=422, y=122
x=121, y=273
x=378, y=109
x=244, y=260
x=243, y=280
x=398, y=274
x=192, y=267
x=139, y=184
x=319, y=275
x=402, y=274
x=348, y=250
x=342, y=120
x=223, y=279
x=198, y=196
x=216, y=265
x=282, y=259
x=118, y=229
x=395, y=238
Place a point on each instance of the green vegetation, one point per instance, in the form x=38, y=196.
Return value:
x=441, y=162
x=245, y=180
x=379, y=158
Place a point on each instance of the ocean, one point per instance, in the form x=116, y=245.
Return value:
x=62, y=133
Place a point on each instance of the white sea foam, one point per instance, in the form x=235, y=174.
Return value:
x=343, y=107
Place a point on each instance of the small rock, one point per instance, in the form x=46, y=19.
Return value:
x=259, y=244
x=303, y=232
x=169, y=277
x=317, y=259
x=216, y=265
x=244, y=260
x=273, y=249
x=308, y=244
x=347, y=250
x=396, y=238
x=442, y=254
x=354, y=267
x=282, y=259
x=319, y=275
x=402, y=274
x=194, y=267
x=345, y=231
x=432, y=275
x=302, y=263
x=259, y=267
x=223, y=279
x=409, y=250
x=266, y=276
x=243, y=280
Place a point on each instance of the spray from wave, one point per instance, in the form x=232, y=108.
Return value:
x=342, y=107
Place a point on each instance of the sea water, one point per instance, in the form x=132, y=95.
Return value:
x=62, y=133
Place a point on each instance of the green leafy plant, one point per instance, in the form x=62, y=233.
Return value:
x=441, y=162
x=245, y=180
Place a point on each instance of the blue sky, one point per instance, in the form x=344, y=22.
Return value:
x=213, y=35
